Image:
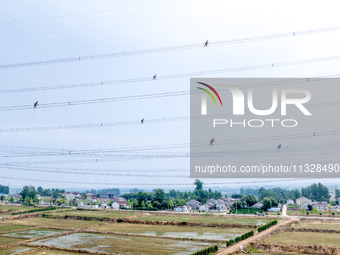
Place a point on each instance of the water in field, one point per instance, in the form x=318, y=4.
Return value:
x=13, y=250
x=195, y=235
x=125, y=244
x=34, y=233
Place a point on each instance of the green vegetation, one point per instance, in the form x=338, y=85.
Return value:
x=14, y=208
x=9, y=240
x=304, y=238
x=97, y=214
x=207, y=219
x=246, y=211
x=36, y=210
x=207, y=251
x=262, y=228
x=317, y=192
x=318, y=225
x=8, y=228
x=239, y=238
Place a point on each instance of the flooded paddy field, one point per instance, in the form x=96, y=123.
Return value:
x=99, y=213
x=51, y=252
x=318, y=225
x=55, y=223
x=14, y=250
x=304, y=238
x=208, y=219
x=209, y=233
x=34, y=233
x=125, y=244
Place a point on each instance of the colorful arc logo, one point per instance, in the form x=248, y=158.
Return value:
x=213, y=90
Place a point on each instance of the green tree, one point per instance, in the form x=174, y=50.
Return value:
x=337, y=193
x=142, y=196
x=267, y=203
x=310, y=207
x=274, y=202
x=173, y=193
x=156, y=204
x=171, y=204
x=251, y=200
x=159, y=195
x=199, y=185
x=28, y=191
x=142, y=204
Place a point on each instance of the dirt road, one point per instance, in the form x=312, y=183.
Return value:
x=235, y=247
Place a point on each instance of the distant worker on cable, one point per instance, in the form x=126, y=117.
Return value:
x=154, y=77
x=142, y=121
x=279, y=147
x=206, y=43
x=35, y=104
x=212, y=141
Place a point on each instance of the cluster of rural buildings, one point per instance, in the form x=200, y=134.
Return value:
x=109, y=200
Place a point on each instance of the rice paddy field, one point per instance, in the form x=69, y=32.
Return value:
x=207, y=233
x=8, y=240
x=15, y=208
x=14, y=250
x=34, y=233
x=318, y=225
x=7, y=228
x=99, y=214
x=304, y=238
x=56, y=223
x=209, y=219
x=125, y=244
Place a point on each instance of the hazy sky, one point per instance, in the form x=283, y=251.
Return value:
x=46, y=30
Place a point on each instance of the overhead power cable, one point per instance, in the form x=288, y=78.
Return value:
x=91, y=173
x=149, y=184
x=172, y=48
x=173, y=76
x=137, y=122
x=129, y=157
x=92, y=12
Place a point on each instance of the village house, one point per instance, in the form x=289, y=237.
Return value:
x=184, y=208
x=290, y=202
x=205, y=208
x=303, y=202
x=257, y=206
x=321, y=206
x=194, y=204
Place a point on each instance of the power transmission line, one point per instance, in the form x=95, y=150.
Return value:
x=93, y=12
x=137, y=122
x=150, y=184
x=173, y=76
x=172, y=48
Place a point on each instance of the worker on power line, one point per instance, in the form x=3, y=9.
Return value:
x=212, y=141
x=206, y=43
x=279, y=147
x=35, y=104
x=154, y=77
x=142, y=121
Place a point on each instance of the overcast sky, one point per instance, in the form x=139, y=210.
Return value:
x=47, y=30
